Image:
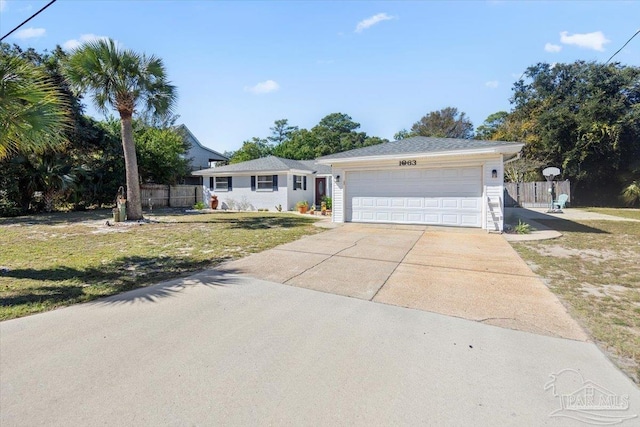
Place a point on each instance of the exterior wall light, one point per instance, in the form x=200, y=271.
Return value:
x=337, y=178
x=494, y=173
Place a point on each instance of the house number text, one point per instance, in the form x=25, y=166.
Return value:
x=408, y=162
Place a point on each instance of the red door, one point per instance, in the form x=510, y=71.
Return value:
x=321, y=189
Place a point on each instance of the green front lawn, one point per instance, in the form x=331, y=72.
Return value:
x=595, y=270
x=623, y=212
x=50, y=261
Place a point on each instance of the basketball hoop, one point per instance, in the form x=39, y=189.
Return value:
x=550, y=173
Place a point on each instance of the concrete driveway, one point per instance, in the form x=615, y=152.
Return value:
x=216, y=349
x=459, y=272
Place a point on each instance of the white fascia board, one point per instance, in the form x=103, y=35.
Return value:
x=213, y=172
x=507, y=149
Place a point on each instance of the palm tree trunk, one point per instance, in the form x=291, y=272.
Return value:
x=134, y=206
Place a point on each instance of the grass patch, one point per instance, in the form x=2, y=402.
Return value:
x=621, y=212
x=55, y=260
x=595, y=270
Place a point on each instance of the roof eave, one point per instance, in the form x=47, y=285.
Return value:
x=504, y=149
x=214, y=172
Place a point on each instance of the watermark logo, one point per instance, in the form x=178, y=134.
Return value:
x=586, y=401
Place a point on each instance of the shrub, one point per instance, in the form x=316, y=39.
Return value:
x=327, y=201
x=199, y=206
x=523, y=228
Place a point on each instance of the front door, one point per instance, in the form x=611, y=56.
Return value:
x=321, y=189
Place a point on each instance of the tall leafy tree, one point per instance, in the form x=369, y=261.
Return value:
x=281, y=131
x=583, y=117
x=250, y=150
x=34, y=113
x=445, y=123
x=402, y=134
x=489, y=128
x=127, y=82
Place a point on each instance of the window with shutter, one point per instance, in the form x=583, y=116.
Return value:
x=265, y=182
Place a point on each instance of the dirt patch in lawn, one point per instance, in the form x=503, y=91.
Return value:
x=595, y=270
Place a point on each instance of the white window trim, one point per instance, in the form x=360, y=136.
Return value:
x=226, y=186
x=265, y=179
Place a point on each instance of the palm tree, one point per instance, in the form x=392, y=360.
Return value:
x=128, y=82
x=33, y=111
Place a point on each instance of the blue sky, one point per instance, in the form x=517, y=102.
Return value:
x=239, y=66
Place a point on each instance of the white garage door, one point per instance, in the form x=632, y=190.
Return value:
x=443, y=196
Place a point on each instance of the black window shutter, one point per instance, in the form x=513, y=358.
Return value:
x=253, y=183
x=295, y=178
x=210, y=182
x=229, y=183
x=275, y=182
x=304, y=183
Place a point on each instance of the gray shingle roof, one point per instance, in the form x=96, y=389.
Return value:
x=418, y=144
x=316, y=167
x=269, y=163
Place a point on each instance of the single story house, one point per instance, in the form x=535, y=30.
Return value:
x=419, y=180
x=267, y=183
x=201, y=157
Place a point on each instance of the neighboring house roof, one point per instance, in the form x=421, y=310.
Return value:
x=264, y=164
x=214, y=156
x=421, y=145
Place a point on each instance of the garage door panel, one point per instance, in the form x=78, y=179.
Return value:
x=450, y=203
x=447, y=196
x=470, y=203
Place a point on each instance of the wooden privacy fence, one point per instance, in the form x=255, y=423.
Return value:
x=170, y=195
x=533, y=194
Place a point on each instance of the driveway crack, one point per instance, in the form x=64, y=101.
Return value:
x=317, y=264
x=397, y=265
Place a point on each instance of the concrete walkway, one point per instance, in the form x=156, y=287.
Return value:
x=460, y=272
x=226, y=350
x=544, y=232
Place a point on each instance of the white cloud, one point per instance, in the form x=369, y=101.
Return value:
x=73, y=43
x=492, y=84
x=371, y=21
x=553, y=48
x=595, y=40
x=263, y=87
x=3, y=4
x=30, y=33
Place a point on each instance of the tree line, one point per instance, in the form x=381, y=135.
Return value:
x=52, y=155
x=583, y=117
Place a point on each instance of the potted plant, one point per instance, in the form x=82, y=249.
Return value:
x=302, y=206
x=214, y=202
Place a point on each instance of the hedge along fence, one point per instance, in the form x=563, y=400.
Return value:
x=533, y=194
x=157, y=195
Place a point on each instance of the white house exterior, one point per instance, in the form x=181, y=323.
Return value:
x=267, y=183
x=434, y=181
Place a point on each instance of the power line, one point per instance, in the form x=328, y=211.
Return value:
x=637, y=32
x=28, y=19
